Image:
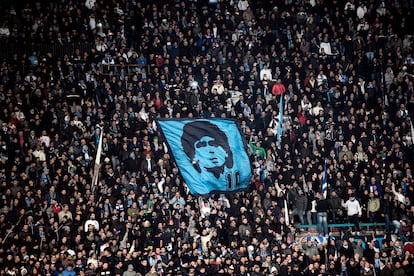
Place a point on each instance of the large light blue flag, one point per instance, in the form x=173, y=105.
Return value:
x=324, y=181
x=210, y=154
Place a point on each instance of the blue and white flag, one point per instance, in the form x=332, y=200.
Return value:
x=286, y=212
x=97, y=161
x=317, y=239
x=210, y=154
x=324, y=181
x=280, y=124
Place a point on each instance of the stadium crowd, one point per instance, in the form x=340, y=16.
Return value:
x=344, y=70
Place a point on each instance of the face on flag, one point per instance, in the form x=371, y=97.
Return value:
x=207, y=146
x=211, y=154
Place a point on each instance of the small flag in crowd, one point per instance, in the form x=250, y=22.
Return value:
x=280, y=125
x=324, y=181
x=97, y=161
x=286, y=213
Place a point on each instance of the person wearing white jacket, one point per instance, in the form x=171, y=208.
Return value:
x=361, y=11
x=354, y=211
x=243, y=5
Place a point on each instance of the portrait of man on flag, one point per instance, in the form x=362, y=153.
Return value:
x=207, y=147
x=211, y=154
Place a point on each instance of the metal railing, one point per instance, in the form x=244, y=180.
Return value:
x=7, y=49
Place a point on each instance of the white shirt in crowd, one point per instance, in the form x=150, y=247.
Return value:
x=352, y=207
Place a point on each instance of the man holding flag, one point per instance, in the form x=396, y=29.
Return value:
x=322, y=206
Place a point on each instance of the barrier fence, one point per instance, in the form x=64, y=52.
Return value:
x=7, y=49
